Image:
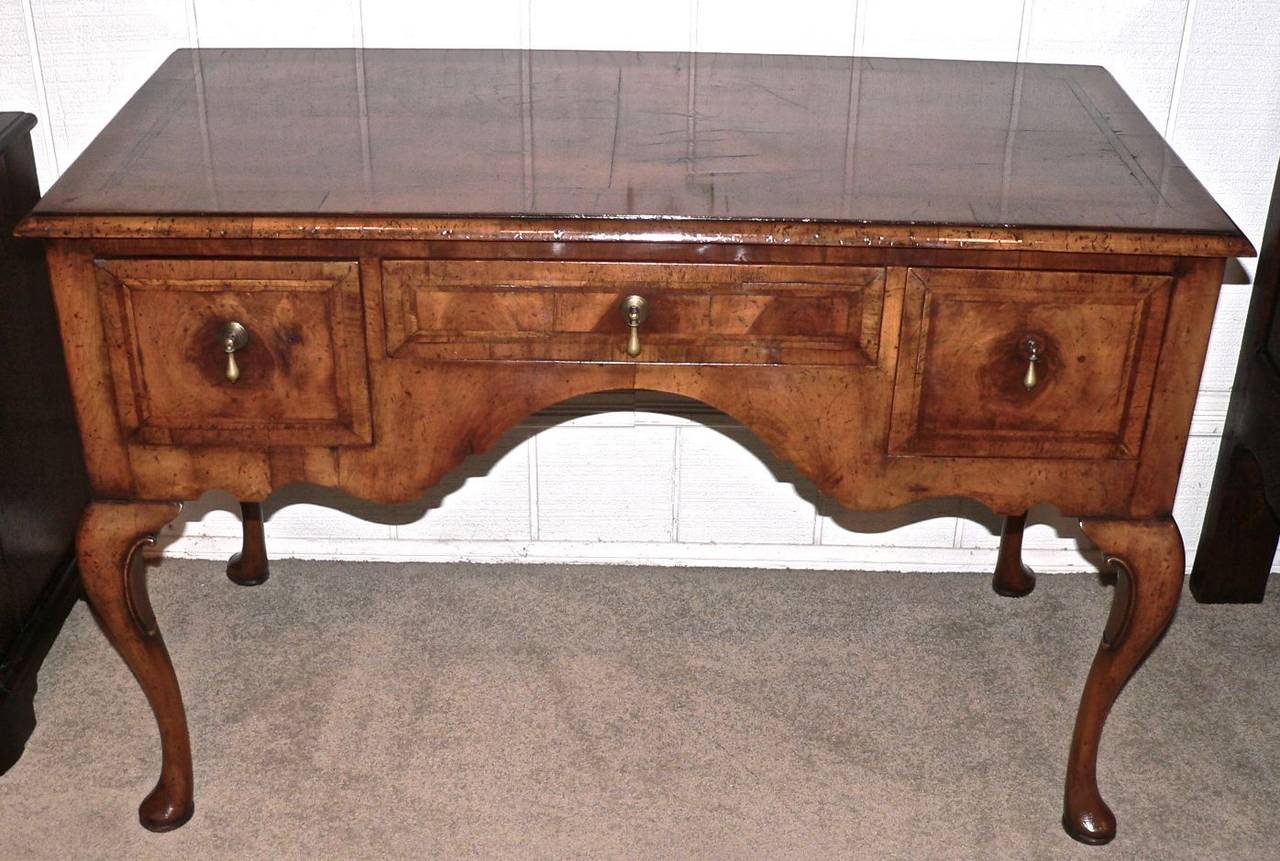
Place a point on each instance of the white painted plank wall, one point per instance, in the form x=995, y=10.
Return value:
x=648, y=479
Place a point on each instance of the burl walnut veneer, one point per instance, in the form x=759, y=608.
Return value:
x=909, y=278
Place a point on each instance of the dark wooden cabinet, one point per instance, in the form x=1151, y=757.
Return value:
x=42, y=480
x=1242, y=521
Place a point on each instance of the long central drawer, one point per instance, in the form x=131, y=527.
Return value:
x=706, y=313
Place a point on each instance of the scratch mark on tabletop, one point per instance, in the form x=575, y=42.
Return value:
x=617, y=121
x=781, y=97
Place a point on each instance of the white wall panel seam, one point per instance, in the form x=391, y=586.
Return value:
x=1184, y=47
x=534, y=485
x=42, y=92
x=193, y=24
x=836, y=557
x=853, y=38
x=859, y=27
x=676, y=479
x=1024, y=29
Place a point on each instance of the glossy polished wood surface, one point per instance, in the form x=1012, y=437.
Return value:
x=847, y=256
x=1097, y=337
x=765, y=315
x=302, y=373
x=997, y=149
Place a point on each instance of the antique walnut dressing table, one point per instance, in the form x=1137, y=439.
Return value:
x=910, y=279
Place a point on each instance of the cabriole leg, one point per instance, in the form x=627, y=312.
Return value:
x=1147, y=557
x=109, y=554
x=249, y=566
x=1012, y=578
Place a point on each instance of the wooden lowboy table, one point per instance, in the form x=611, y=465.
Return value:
x=911, y=279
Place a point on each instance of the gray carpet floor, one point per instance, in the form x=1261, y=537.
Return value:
x=364, y=710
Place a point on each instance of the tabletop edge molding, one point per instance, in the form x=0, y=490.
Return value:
x=634, y=229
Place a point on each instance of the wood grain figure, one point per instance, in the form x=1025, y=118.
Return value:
x=108, y=543
x=408, y=259
x=1147, y=558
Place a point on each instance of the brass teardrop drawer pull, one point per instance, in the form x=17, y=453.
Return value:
x=635, y=310
x=234, y=338
x=1033, y=350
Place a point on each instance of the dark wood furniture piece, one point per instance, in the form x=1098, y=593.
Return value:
x=1242, y=520
x=43, y=487
x=910, y=278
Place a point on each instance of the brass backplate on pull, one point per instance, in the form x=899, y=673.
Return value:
x=235, y=337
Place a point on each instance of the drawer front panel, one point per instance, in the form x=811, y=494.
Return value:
x=968, y=335
x=303, y=376
x=812, y=315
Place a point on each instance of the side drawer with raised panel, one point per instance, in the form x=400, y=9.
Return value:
x=296, y=374
x=567, y=311
x=1027, y=363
